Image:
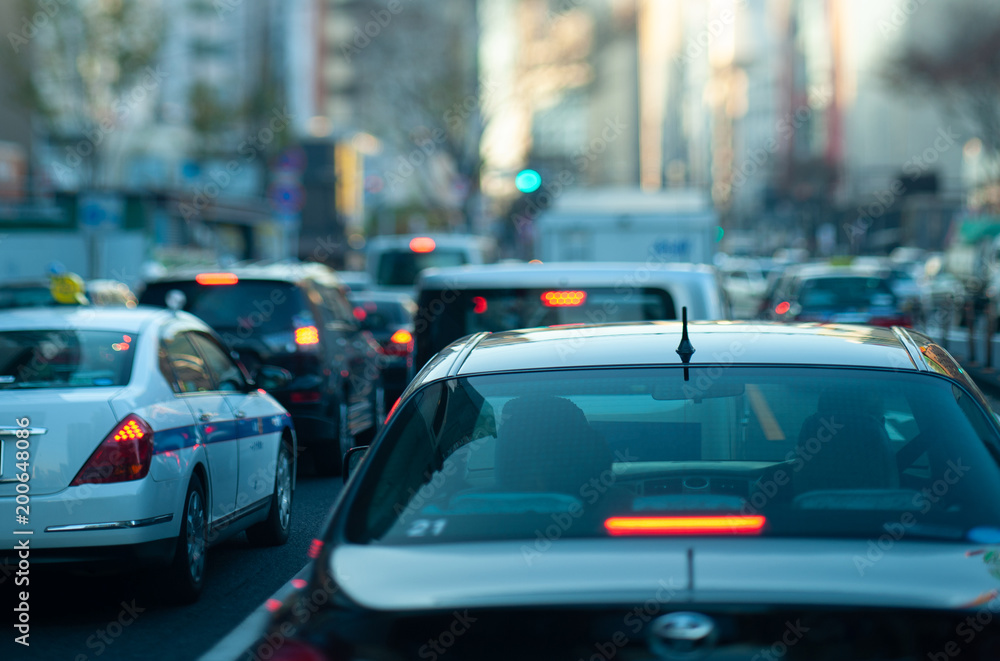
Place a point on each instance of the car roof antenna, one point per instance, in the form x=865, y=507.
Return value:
x=685, y=349
x=175, y=300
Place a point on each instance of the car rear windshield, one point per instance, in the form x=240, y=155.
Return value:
x=399, y=269
x=847, y=292
x=458, y=313
x=65, y=358
x=264, y=305
x=811, y=452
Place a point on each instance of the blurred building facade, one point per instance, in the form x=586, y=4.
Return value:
x=563, y=91
x=395, y=85
x=787, y=115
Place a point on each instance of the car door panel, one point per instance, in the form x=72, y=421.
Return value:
x=256, y=439
x=260, y=433
x=213, y=418
x=356, y=358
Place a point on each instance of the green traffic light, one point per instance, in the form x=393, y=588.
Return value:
x=528, y=181
x=719, y=232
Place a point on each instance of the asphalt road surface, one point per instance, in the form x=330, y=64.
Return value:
x=76, y=618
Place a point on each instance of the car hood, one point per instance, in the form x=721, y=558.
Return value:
x=903, y=574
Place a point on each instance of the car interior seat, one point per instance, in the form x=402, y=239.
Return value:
x=844, y=445
x=545, y=444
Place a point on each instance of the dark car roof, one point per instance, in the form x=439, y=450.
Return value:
x=655, y=343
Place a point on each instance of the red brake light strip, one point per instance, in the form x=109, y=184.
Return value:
x=685, y=525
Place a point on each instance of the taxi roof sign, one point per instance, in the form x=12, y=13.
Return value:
x=68, y=288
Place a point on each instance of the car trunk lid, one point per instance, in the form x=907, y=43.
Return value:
x=67, y=425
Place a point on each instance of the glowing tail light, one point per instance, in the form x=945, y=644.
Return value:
x=401, y=337
x=783, y=307
x=685, y=525
x=123, y=455
x=306, y=335
x=422, y=244
x=400, y=344
x=563, y=299
x=216, y=279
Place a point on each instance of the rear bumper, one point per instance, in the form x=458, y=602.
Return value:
x=96, y=519
x=157, y=552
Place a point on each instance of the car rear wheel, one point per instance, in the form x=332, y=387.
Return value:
x=274, y=530
x=186, y=575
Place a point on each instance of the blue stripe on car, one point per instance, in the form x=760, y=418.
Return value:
x=177, y=438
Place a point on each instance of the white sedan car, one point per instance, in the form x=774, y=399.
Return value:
x=133, y=436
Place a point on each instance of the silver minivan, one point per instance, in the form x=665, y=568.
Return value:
x=453, y=302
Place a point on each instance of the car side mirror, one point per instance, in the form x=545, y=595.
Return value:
x=353, y=459
x=271, y=377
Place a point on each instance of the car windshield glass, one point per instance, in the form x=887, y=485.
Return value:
x=249, y=305
x=839, y=293
x=396, y=269
x=816, y=452
x=65, y=358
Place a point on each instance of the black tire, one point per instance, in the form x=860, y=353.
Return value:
x=273, y=531
x=185, y=577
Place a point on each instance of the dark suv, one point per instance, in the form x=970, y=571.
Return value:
x=294, y=316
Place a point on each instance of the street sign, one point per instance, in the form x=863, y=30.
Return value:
x=101, y=211
x=287, y=197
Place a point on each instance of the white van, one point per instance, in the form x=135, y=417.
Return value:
x=395, y=261
x=453, y=302
x=629, y=225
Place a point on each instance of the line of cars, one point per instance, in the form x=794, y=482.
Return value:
x=734, y=474
x=273, y=359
